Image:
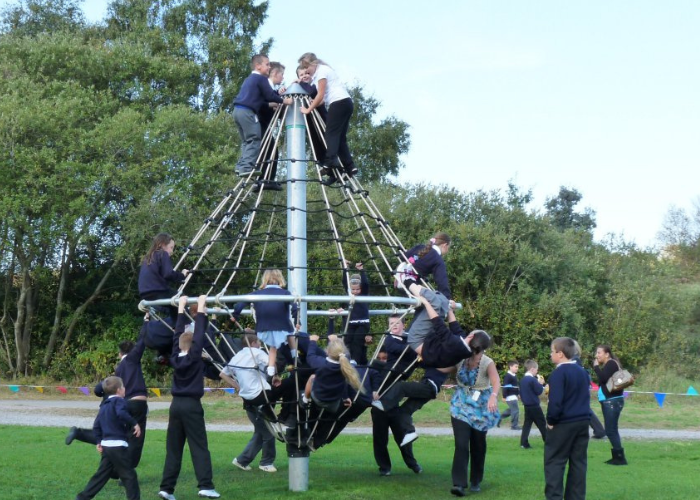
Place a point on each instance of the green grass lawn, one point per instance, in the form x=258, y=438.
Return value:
x=35, y=464
x=641, y=412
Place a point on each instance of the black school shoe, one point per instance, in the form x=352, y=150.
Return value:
x=458, y=491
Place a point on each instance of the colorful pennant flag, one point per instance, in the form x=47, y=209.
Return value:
x=85, y=390
x=594, y=386
x=207, y=389
x=692, y=391
x=625, y=394
x=62, y=389
x=230, y=390
x=660, y=397
x=40, y=389
x=14, y=388
x=155, y=390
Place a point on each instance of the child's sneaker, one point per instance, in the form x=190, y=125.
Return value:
x=404, y=272
x=268, y=468
x=240, y=465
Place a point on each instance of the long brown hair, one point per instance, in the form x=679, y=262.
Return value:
x=438, y=239
x=161, y=240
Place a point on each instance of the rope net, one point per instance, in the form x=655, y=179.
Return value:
x=247, y=233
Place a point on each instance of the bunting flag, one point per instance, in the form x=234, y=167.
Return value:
x=230, y=390
x=62, y=389
x=594, y=386
x=155, y=391
x=85, y=390
x=660, y=397
x=14, y=388
x=207, y=389
x=40, y=389
x=692, y=391
x=625, y=394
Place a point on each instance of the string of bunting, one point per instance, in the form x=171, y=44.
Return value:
x=158, y=391
x=659, y=396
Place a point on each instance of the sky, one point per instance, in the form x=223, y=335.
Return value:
x=595, y=95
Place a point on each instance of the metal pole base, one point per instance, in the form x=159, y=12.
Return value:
x=298, y=468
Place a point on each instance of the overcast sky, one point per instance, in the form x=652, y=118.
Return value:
x=596, y=95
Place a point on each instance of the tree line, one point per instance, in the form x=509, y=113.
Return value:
x=115, y=131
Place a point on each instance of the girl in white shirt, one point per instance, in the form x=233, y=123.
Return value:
x=332, y=93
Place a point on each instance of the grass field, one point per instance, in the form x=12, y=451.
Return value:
x=641, y=412
x=35, y=464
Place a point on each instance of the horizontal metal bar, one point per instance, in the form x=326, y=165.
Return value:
x=319, y=299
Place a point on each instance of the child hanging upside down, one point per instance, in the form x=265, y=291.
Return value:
x=437, y=345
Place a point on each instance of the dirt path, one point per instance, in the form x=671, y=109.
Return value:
x=81, y=413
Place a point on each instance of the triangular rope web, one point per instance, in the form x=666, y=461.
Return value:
x=254, y=228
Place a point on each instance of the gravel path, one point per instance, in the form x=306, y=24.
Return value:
x=39, y=413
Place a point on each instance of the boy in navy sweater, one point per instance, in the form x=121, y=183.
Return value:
x=256, y=92
x=567, y=425
x=112, y=427
x=186, y=417
x=531, y=387
x=511, y=391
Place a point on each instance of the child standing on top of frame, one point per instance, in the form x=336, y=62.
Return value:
x=256, y=92
x=357, y=334
x=335, y=96
x=273, y=319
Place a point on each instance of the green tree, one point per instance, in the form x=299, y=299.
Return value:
x=562, y=211
x=376, y=147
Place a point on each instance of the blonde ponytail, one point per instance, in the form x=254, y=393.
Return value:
x=336, y=351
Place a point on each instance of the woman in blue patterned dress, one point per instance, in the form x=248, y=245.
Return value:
x=474, y=409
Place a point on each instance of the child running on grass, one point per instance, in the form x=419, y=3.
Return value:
x=112, y=427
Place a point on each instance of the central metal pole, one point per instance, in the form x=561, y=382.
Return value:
x=295, y=128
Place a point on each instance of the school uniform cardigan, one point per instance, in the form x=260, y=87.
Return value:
x=360, y=311
x=431, y=263
x=395, y=348
x=569, y=397
x=190, y=369
x=154, y=277
x=329, y=384
x=129, y=368
x=510, y=380
x=113, y=421
x=271, y=316
x=256, y=92
x=530, y=390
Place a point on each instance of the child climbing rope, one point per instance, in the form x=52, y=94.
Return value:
x=273, y=318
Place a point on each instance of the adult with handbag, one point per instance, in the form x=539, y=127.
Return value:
x=612, y=400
